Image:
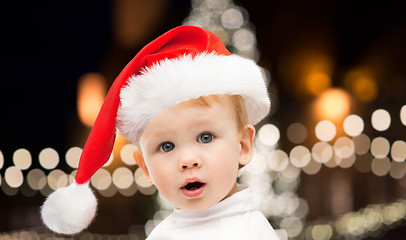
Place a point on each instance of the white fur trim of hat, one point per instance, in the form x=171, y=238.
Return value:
x=172, y=81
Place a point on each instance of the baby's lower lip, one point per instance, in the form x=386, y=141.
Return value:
x=193, y=193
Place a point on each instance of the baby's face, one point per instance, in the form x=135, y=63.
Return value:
x=192, y=153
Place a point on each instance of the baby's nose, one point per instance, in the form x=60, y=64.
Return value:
x=185, y=166
x=190, y=162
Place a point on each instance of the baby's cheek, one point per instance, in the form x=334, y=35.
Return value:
x=160, y=179
x=227, y=162
x=229, y=159
x=166, y=190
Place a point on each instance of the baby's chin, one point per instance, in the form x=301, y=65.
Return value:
x=198, y=204
x=196, y=207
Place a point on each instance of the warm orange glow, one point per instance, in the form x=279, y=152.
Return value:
x=362, y=85
x=333, y=104
x=317, y=82
x=91, y=93
x=307, y=71
x=119, y=143
x=135, y=21
x=365, y=89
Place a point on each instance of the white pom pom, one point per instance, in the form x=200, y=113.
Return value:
x=69, y=210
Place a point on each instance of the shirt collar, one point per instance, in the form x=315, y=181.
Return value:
x=239, y=202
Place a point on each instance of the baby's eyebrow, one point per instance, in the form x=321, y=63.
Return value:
x=158, y=136
x=201, y=121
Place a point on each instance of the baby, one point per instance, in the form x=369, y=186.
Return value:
x=190, y=106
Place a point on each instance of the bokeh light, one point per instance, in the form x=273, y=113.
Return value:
x=296, y=133
x=380, y=166
x=13, y=176
x=317, y=82
x=362, y=85
x=130, y=191
x=353, y=125
x=300, y=156
x=46, y=191
x=325, y=130
x=321, y=232
x=397, y=170
x=371, y=219
x=57, y=179
x=127, y=152
x=292, y=225
x=365, y=89
x=312, y=167
x=222, y=34
x=141, y=179
x=344, y=147
x=333, y=104
x=36, y=179
x=1, y=160
x=258, y=164
x=22, y=158
x=109, y=192
x=322, y=152
x=278, y=160
x=148, y=191
x=403, y=115
x=8, y=190
x=48, y=158
x=72, y=156
x=244, y=39
x=291, y=203
x=268, y=135
x=123, y=178
x=110, y=160
x=398, y=151
x=393, y=213
x=101, y=180
x=333, y=162
x=91, y=91
x=72, y=175
x=232, y=18
x=380, y=120
x=361, y=143
x=303, y=208
x=291, y=172
x=380, y=147
x=345, y=162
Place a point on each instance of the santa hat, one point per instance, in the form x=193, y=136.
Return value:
x=184, y=63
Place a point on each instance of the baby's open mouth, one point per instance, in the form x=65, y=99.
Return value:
x=193, y=186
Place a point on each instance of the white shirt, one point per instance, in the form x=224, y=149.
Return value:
x=233, y=218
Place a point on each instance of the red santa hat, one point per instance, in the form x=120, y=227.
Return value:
x=184, y=63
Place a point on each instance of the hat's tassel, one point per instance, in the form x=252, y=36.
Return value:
x=69, y=210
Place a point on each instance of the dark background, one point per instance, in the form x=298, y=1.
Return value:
x=46, y=46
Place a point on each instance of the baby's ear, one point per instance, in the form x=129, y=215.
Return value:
x=139, y=159
x=247, y=144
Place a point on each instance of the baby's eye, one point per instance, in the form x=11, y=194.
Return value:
x=205, y=138
x=166, y=147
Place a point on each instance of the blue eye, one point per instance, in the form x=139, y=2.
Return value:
x=166, y=147
x=205, y=138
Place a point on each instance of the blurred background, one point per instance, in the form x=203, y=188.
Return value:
x=330, y=158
